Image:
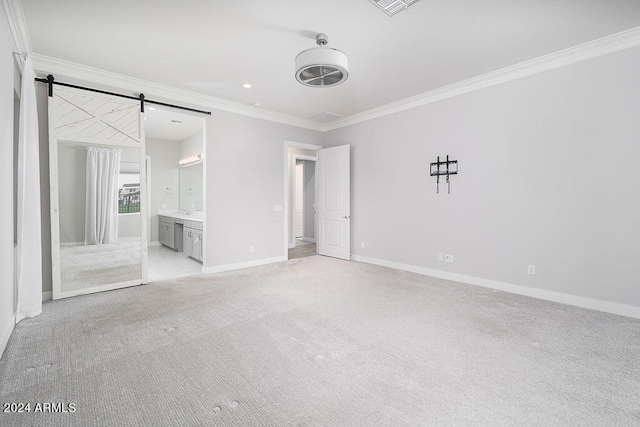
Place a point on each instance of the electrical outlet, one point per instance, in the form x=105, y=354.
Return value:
x=439, y=256
x=251, y=248
x=531, y=269
x=448, y=258
x=362, y=245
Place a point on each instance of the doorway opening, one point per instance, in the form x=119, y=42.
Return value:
x=304, y=203
x=300, y=199
x=175, y=145
x=332, y=194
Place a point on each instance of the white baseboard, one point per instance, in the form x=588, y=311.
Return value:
x=309, y=239
x=240, y=265
x=578, y=301
x=5, y=333
x=155, y=243
x=47, y=296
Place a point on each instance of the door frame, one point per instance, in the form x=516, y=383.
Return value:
x=287, y=184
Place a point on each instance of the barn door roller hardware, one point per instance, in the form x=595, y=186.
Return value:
x=447, y=167
x=50, y=81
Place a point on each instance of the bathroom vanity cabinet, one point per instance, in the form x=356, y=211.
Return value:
x=181, y=234
x=170, y=232
x=192, y=239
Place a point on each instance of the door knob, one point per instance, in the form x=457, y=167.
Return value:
x=346, y=216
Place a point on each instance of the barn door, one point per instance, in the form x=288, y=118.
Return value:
x=98, y=192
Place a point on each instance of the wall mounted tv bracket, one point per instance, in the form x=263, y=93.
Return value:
x=447, y=167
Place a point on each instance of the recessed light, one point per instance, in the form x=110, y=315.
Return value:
x=257, y=104
x=152, y=108
x=246, y=85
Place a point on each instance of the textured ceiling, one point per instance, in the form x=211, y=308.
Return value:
x=213, y=47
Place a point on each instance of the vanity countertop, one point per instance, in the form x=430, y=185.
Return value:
x=194, y=216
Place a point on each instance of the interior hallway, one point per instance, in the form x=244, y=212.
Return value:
x=303, y=249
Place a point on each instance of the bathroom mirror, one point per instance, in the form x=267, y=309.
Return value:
x=100, y=235
x=97, y=192
x=191, y=184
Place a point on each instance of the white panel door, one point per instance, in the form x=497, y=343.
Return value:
x=334, y=213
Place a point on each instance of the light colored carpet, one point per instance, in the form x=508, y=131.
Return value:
x=319, y=341
x=93, y=265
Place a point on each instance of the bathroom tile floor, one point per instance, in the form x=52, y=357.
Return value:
x=165, y=263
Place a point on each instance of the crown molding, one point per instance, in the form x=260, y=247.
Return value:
x=603, y=46
x=17, y=25
x=60, y=68
x=18, y=28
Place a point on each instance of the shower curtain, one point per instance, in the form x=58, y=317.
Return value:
x=29, y=245
x=101, y=211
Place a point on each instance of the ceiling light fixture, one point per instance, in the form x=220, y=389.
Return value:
x=246, y=85
x=191, y=159
x=322, y=66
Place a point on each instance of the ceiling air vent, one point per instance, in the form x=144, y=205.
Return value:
x=391, y=7
x=324, y=116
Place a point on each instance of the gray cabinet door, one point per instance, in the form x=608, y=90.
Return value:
x=166, y=234
x=186, y=240
x=197, y=244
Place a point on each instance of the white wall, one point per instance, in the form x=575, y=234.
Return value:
x=128, y=226
x=244, y=174
x=7, y=291
x=164, y=174
x=192, y=145
x=548, y=176
x=72, y=177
